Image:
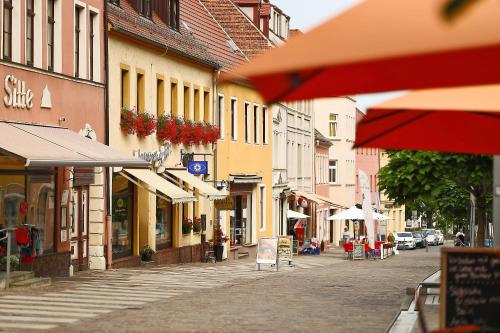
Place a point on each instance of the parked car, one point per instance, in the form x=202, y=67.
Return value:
x=430, y=236
x=420, y=240
x=405, y=240
x=440, y=237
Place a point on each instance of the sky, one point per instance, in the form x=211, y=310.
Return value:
x=306, y=14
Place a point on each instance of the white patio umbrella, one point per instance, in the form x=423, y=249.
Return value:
x=354, y=213
x=296, y=215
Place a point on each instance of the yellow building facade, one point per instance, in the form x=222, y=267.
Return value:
x=150, y=207
x=244, y=162
x=389, y=207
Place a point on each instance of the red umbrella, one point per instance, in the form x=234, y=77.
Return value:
x=461, y=120
x=383, y=45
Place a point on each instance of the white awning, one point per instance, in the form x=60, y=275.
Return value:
x=205, y=189
x=162, y=185
x=354, y=213
x=245, y=179
x=291, y=214
x=51, y=146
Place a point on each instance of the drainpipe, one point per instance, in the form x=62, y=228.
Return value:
x=107, y=223
x=216, y=73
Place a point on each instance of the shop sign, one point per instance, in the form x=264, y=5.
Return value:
x=198, y=167
x=157, y=158
x=267, y=251
x=224, y=204
x=17, y=96
x=285, y=249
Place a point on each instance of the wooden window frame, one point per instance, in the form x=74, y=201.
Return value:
x=51, y=22
x=30, y=33
x=7, y=33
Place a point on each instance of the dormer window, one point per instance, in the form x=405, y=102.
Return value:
x=173, y=8
x=145, y=8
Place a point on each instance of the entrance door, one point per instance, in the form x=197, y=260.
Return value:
x=331, y=232
x=80, y=228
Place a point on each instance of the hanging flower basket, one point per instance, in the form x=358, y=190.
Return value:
x=187, y=226
x=145, y=124
x=128, y=120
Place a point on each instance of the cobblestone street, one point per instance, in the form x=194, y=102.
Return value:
x=320, y=293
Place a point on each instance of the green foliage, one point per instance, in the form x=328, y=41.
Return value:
x=439, y=184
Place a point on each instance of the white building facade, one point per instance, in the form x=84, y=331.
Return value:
x=280, y=176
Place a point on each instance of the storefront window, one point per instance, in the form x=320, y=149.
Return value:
x=164, y=218
x=40, y=199
x=122, y=216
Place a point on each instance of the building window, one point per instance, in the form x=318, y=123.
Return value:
x=92, y=39
x=256, y=124
x=196, y=105
x=50, y=34
x=247, y=122
x=145, y=8
x=160, y=97
x=264, y=126
x=164, y=225
x=125, y=89
x=122, y=216
x=77, y=41
x=299, y=160
x=262, y=207
x=332, y=178
x=234, y=120
x=220, y=115
x=186, y=102
x=333, y=125
x=140, y=98
x=174, y=14
x=174, y=109
x=206, y=106
x=30, y=31
x=7, y=29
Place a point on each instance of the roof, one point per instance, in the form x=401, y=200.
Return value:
x=321, y=138
x=125, y=19
x=238, y=26
x=265, y=9
x=209, y=32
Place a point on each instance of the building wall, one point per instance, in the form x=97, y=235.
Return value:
x=239, y=157
x=280, y=177
x=153, y=63
x=321, y=157
x=342, y=192
x=367, y=159
x=389, y=208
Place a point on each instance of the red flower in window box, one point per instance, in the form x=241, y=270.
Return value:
x=187, y=133
x=128, y=120
x=145, y=124
x=198, y=133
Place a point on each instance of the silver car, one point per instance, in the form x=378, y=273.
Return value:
x=405, y=240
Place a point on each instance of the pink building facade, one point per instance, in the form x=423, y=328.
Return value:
x=367, y=159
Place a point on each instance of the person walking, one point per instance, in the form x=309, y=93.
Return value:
x=346, y=235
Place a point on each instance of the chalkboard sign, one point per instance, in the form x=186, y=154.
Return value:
x=470, y=288
x=359, y=251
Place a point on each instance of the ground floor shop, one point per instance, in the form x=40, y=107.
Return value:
x=52, y=197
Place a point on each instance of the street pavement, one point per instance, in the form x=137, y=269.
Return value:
x=324, y=292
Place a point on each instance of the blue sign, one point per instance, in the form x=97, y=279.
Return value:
x=198, y=167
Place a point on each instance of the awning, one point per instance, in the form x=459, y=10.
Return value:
x=291, y=214
x=308, y=196
x=45, y=145
x=205, y=189
x=245, y=179
x=176, y=194
x=329, y=201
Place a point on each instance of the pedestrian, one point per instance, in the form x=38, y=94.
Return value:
x=346, y=236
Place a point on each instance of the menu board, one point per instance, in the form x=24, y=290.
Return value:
x=470, y=288
x=285, y=244
x=358, y=252
x=267, y=250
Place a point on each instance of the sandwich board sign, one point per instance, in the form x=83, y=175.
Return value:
x=267, y=251
x=285, y=248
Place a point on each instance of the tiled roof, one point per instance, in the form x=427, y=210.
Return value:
x=208, y=32
x=126, y=20
x=238, y=26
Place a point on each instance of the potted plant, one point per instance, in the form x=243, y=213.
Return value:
x=219, y=240
x=187, y=226
x=147, y=254
x=196, y=225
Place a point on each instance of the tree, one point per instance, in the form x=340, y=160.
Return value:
x=441, y=182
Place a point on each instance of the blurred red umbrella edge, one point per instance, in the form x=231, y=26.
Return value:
x=382, y=45
x=458, y=120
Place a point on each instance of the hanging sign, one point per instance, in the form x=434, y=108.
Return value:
x=198, y=167
x=224, y=204
x=470, y=288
